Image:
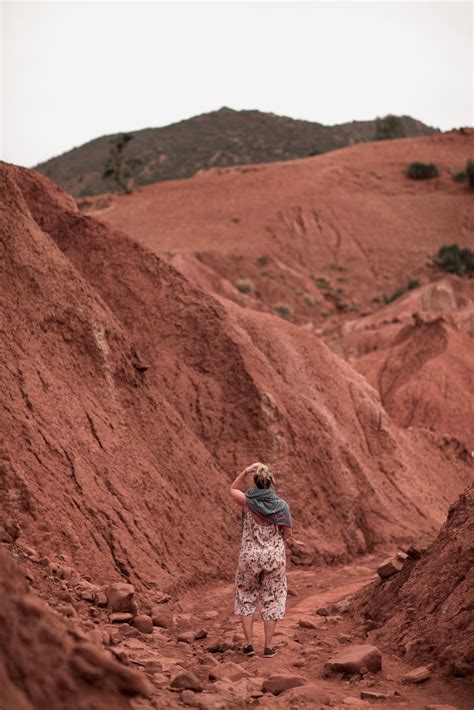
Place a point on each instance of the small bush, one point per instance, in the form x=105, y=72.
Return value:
x=460, y=177
x=309, y=300
x=411, y=284
x=284, y=311
x=455, y=260
x=388, y=127
x=244, y=286
x=393, y=296
x=422, y=171
x=321, y=282
x=470, y=173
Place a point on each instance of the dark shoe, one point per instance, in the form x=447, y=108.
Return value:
x=248, y=650
x=270, y=652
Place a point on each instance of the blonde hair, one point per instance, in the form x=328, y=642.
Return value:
x=263, y=477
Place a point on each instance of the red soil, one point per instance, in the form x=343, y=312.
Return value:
x=322, y=235
x=425, y=612
x=131, y=398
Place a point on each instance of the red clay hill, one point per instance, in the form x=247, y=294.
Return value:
x=331, y=242
x=134, y=397
x=312, y=238
x=131, y=398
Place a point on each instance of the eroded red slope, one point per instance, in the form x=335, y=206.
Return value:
x=127, y=468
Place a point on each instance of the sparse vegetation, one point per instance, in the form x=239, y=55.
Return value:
x=263, y=261
x=309, y=300
x=470, y=173
x=455, y=260
x=422, y=171
x=411, y=284
x=321, y=281
x=284, y=311
x=245, y=286
x=117, y=167
x=460, y=177
x=389, y=127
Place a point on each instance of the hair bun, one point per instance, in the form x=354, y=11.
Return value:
x=263, y=477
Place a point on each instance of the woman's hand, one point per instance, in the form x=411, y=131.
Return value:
x=253, y=467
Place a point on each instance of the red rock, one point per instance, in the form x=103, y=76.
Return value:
x=219, y=646
x=353, y=658
x=230, y=670
x=120, y=597
x=95, y=660
x=186, y=636
x=278, y=683
x=322, y=611
x=376, y=694
x=100, y=598
x=143, y=623
x=308, y=624
x=186, y=681
x=389, y=568
x=201, y=634
x=161, y=618
x=417, y=675
x=120, y=618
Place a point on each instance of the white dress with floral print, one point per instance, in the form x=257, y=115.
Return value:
x=261, y=572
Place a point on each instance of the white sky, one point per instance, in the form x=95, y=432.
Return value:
x=73, y=71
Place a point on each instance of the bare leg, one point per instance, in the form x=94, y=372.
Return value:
x=247, y=625
x=269, y=627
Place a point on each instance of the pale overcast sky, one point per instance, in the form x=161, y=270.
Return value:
x=73, y=71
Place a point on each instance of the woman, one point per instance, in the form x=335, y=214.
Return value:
x=261, y=572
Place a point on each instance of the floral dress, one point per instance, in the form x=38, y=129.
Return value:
x=261, y=572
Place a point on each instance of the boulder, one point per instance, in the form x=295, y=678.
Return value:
x=353, y=658
x=186, y=636
x=276, y=684
x=389, y=568
x=92, y=663
x=417, y=675
x=120, y=618
x=143, y=623
x=322, y=611
x=186, y=680
x=309, y=624
x=230, y=670
x=120, y=597
x=201, y=634
x=161, y=618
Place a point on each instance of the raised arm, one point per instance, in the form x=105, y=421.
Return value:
x=235, y=490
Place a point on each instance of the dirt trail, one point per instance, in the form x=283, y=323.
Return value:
x=301, y=651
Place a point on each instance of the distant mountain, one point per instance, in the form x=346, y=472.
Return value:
x=220, y=138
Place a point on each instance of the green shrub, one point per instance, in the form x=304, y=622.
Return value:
x=470, y=173
x=460, y=177
x=309, y=300
x=388, y=127
x=455, y=260
x=244, y=286
x=422, y=171
x=284, y=311
x=411, y=284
